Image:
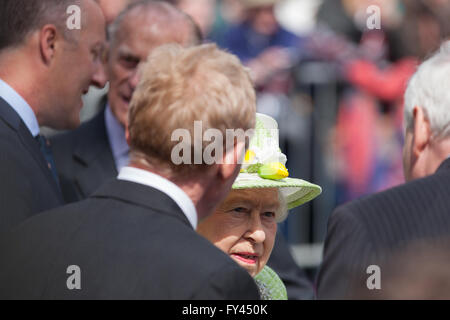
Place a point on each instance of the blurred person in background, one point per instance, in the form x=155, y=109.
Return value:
x=375, y=65
x=260, y=41
x=364, y=232
x=212, y=16
x=94, y=153
x=45, y=69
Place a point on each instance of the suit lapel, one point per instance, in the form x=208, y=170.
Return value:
x=142, y=196
x=94, y=154
x=13, y=119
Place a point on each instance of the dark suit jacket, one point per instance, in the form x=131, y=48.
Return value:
x=84, y=159
x=130, y=241
x=26, y=183
x=371, y=230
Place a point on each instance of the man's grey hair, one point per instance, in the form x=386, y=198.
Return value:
x=429, y=89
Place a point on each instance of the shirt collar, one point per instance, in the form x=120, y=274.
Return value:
x=19, y=105
x=172, y=190
x=116, y=136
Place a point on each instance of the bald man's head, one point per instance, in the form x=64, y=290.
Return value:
x=111, y=9
x=133, y=35
x=163, y=20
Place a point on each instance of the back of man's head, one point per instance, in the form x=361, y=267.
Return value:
x=179, y=87
x=19, y=18
x=427, y=117
x=429, y=89
x=204, y=97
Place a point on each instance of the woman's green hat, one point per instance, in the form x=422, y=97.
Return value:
x=264, y=166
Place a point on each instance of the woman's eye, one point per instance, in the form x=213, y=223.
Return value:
x=240, y=210
x=269, y=214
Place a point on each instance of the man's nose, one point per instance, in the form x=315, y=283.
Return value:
x=99, y=78
x=134, y=80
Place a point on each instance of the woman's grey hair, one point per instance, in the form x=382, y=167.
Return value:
x=282, y=211
x=428, y=89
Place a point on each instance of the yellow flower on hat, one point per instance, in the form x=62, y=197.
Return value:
x=273, y=171
x=264, y=166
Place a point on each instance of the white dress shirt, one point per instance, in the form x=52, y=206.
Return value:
x=169, y=188
x=19, y=105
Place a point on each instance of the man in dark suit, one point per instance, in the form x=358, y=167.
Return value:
x=37, y=53
x=95, y=152
x=135, y=237
x=363, y=235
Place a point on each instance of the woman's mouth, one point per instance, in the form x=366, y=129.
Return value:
x=249, y=258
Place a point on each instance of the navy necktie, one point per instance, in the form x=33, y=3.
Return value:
x=46, y=150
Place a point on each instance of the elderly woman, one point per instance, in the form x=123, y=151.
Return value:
x=245, y=224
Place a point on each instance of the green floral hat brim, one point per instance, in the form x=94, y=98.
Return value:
x=295, y=191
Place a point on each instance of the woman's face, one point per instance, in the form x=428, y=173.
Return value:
x=244, y=227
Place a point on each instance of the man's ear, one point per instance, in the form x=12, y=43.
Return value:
x=232, y=159
x=47, y=42
x=422, y=131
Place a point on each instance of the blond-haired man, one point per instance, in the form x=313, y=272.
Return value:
x=135, y=238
